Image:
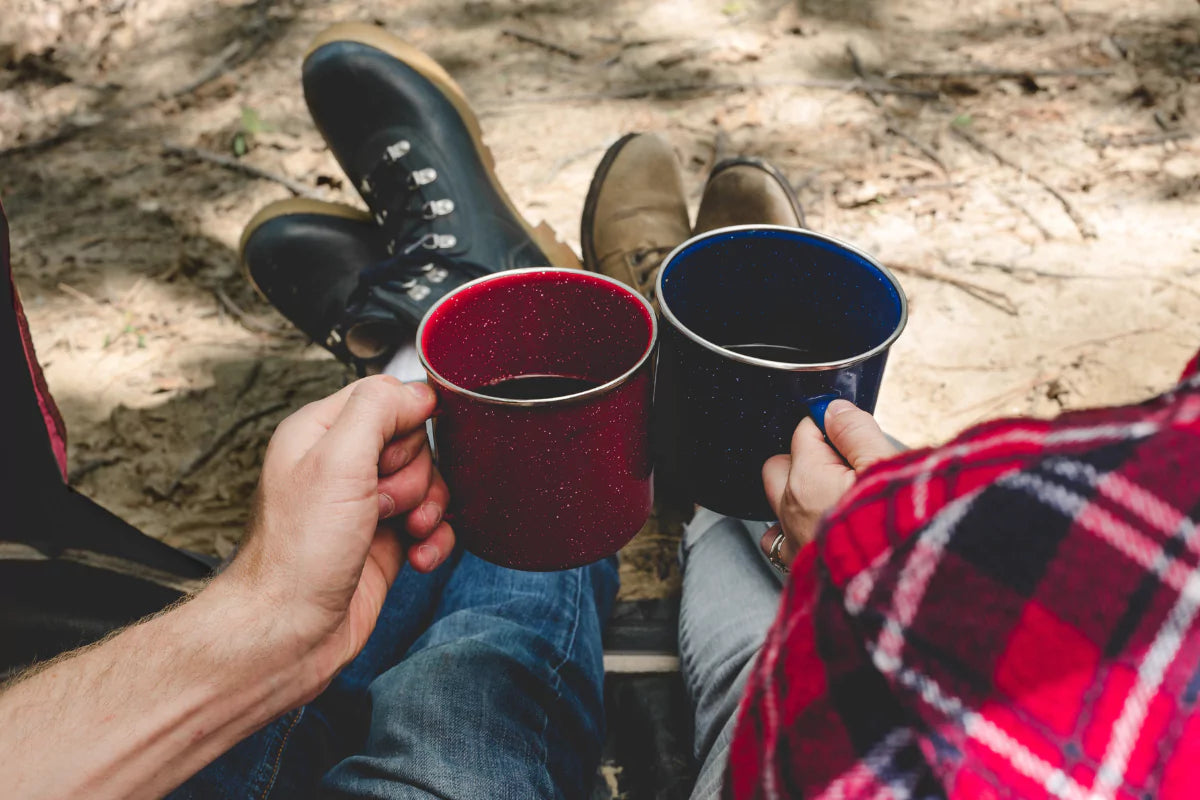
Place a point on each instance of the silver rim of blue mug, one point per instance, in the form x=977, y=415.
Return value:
x=595, y=391
x=782, y=365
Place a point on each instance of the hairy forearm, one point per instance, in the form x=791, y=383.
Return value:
x=137, y=714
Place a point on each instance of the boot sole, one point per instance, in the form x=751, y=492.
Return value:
x=587, y=237
x=285, y=208
x=559, y=253
x=773, y=171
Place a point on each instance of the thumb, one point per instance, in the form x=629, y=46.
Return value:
x=856, y=435
x=378, y=410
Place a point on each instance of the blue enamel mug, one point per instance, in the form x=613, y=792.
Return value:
x=763, y=326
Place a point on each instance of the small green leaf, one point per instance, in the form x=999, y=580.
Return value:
x=962, y=120
x=733, y=7
x=141, y=342
x=239, y=145
x=251, y=122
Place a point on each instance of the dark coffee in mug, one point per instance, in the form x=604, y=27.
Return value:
x=536, y=387
x=807, y=353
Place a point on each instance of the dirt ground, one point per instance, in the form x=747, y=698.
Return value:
x=1028, y=167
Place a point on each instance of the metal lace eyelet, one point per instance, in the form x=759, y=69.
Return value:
x=381, y=217
x=427, y=267
x=421, y=177
x=407, y=284
x=364, y=186
x=437, y=275
x=333, y=339
x=437, y=208
x=419, y=292
x=397, y=151
x=439, y=241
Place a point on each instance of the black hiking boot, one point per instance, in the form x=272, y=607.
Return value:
x=404, y=134
x=305, y=257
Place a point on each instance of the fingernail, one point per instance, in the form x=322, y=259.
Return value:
x=395, y=460
x=429, y=554
x=432, y=514
x=386, y=505
x=838, y=406
x=420, y=391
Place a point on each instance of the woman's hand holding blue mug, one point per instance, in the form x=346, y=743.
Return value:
x=804, y=485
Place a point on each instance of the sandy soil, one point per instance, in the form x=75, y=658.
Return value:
x=1043, y=223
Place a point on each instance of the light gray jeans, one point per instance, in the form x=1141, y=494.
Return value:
x=730, y=597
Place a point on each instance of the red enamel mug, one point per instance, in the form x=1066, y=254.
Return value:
x=544, y=390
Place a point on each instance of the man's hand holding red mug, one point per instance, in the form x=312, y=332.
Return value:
x=804, y=485
x=348, y=493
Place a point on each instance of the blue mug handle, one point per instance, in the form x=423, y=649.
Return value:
x=816, y=409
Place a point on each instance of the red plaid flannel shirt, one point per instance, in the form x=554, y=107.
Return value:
x=1011, y=615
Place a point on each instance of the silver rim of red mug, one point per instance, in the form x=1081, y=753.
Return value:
x=821, y=366
x=595, y=391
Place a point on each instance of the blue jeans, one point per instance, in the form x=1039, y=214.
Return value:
x=478, y=682
x=730, y=598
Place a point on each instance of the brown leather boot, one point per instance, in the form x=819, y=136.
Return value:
x=635, y=212
x=748, y=191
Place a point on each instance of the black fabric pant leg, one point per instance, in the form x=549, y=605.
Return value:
x=29, y=466
x=70, y=571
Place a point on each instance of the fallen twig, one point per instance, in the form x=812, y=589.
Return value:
x=667, y=89
x=553, y=47
x=68, y=130
x=1012, y=203
x=988, y=403
x=1085, y=229
x=205, y=455
x=630, y=43
x=236, y=165
x=88, y=467
x=252, y=376
x=994, y=298
x=132, y=294
x=1142, y=140
x=225, y=60
x=924, y=149
x=998, y=72
x=85, y=297
x=1086, y=276
x=857, y=65
x=1111, y=338
x=235, y=54
x=987, y=367
x=248, y=322
x=1014, y=270
x=914, y=189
